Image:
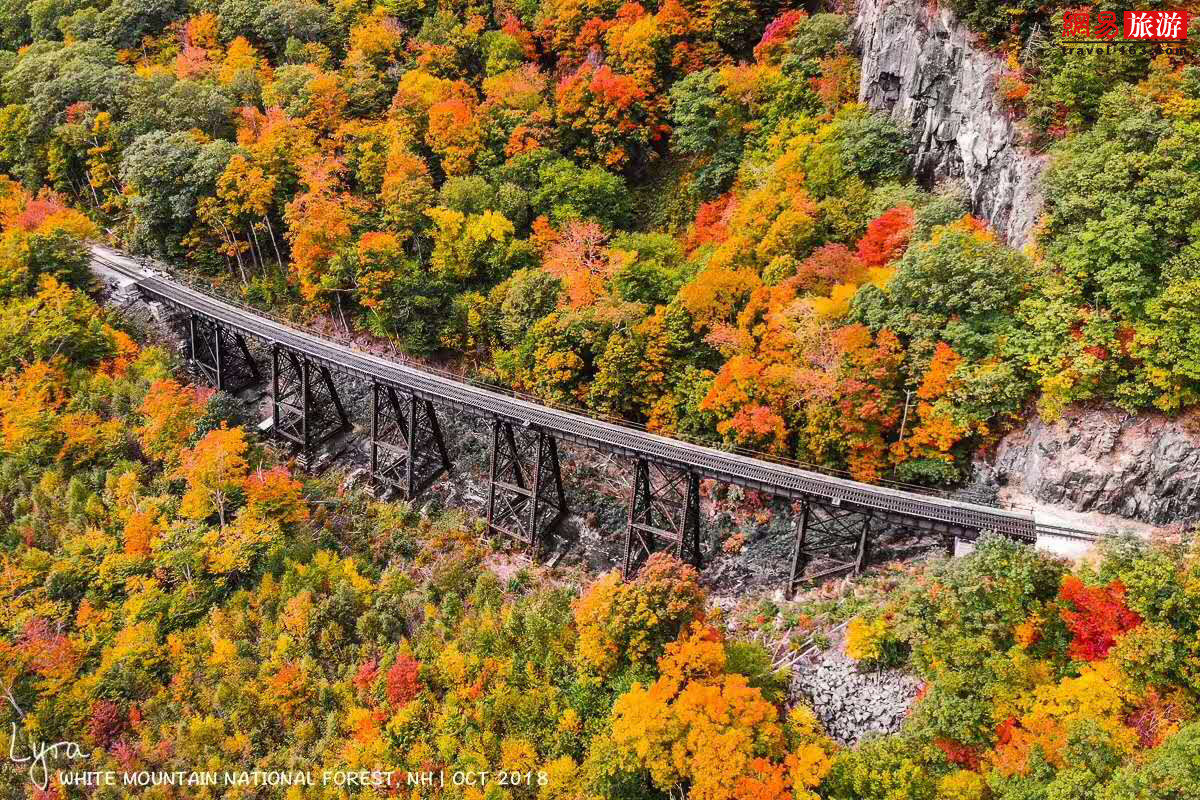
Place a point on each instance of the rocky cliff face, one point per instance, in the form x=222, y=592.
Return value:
x=1145, y=468
x=921, y=65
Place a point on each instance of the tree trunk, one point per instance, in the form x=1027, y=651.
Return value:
x=274, y=244
x=237, y=252
x=342, y=312
x=257, y=248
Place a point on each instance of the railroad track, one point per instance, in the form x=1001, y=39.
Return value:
x=883, y=502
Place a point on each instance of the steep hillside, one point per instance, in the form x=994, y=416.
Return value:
x=672, y=213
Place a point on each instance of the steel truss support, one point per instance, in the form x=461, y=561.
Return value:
x=840, y=538
x=220, y=355
x=525, y=498
x=407, y=449
x=305, y=407
x=664, y=509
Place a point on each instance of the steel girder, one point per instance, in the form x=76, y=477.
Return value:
x=220, y=355
x=525, y=495
x=840, y=537
x=305, y=407
x=407, y=449
x=664, y=509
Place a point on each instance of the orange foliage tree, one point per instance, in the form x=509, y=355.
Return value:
x=579, y=258
x=320, y=222
x=700, y=728
x=170, y=413
x=140, y=531
x=274, y=494
x=741, y=397
x=612, y=117
x=936, y=430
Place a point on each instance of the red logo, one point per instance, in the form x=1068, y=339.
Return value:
x=1160, y=26
x=1139, y=26
x=1106, y=25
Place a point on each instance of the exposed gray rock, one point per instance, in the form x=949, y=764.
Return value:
x=1143, y=467
x=853, y=704
x=921, y=65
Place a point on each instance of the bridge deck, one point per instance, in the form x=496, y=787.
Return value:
x=774, y=478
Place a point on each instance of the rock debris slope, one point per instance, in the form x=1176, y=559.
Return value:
x=922, y=66
x=853, y=703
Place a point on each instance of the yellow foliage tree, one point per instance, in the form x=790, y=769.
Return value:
x=864, y=639
x=623, y=623
x=462, y=243
x=1100, y=693
x=213, y=469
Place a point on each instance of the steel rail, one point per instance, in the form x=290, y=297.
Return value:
x=708, y=462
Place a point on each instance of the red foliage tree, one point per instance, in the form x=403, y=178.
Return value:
x=711, y=223
x=886, y=237
x=50, y=653
x=1095, y=615
x=367, y=672
x=960, y=755
x=403, y=680
x=828, y=265
x=106, y=723
x=777, y=32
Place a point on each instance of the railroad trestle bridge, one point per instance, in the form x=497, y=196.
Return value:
x=836, y=519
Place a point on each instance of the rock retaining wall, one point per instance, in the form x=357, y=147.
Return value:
x=1140, y=467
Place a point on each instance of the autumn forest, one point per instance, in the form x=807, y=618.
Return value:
x=674, y=214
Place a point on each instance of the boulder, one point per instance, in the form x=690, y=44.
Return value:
x=852, y=703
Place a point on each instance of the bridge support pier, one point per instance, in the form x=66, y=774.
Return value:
x=525, y=495
x=220, y=355
x=842, y=537
x=407, y=449
x=305, y=407
x=664, y=508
